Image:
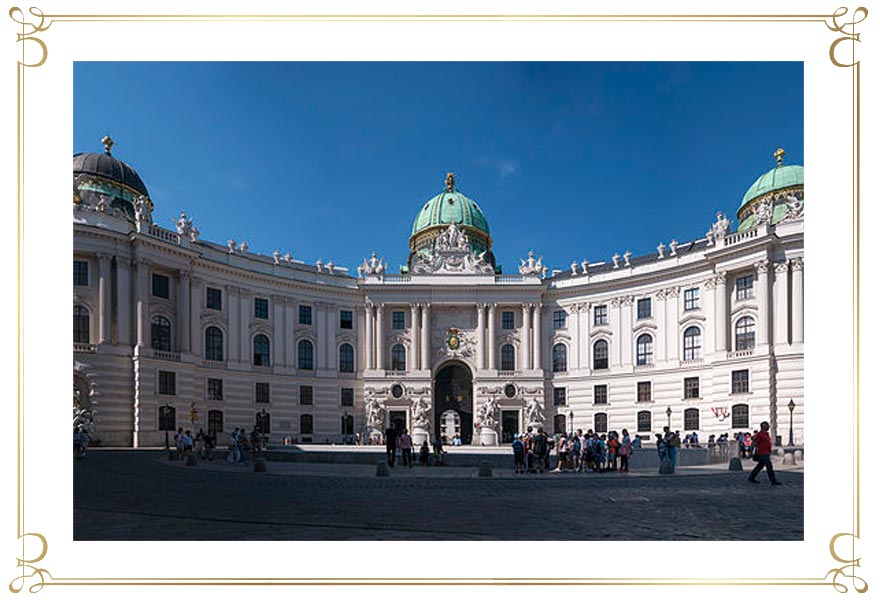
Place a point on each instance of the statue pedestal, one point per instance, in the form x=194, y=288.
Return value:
x=488, y=437
x=375, y=436
x=419, y=435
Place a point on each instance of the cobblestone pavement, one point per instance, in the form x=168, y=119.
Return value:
x=134, y=495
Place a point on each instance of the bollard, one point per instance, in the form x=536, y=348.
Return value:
x=798, y=456
x=666, y=467
x=779, y=452
x=260, y=465
x=191, y=460
x=788, y=459
x=382, y=469
x=485, y=469
x=735, y=464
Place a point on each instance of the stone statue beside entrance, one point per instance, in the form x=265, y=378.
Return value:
x=375, y=414
x=487, y=423
x=420, y=419
x=535, y=414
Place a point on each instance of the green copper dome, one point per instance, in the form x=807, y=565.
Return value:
x=777, y=178
x=450, y=207
x=772, y=186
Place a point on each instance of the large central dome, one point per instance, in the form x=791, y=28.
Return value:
x=448, y=207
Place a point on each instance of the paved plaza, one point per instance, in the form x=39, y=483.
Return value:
x=140, y=495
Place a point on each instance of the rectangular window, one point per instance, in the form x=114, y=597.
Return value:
x=644, y=391
x=347, y=396
x=643, y=421
x=692, y=299
x=346, y=319
x=745, y=287
x=160, y=286
x=739, y=382
x=558, y=396
x=214, y=298
x=644, y=308
x=305, y=314
x=80, y=272
x=600, y=314
x=398, y=319
x=600, y=394
x=261, y=308
x=261, y=392
x=167, y=383
x=305, y=394
x=507, y=319
x=559, y=319
x=691, y=387
x=215, y=389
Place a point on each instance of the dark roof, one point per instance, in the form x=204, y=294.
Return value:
x=104, y=165
x=682, y=250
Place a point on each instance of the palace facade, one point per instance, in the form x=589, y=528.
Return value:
x=174, y=331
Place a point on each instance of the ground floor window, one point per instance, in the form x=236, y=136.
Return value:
x=644, y=420
x=263, y=422
x=347, y=425
x=167, y=418
x=306, y=425
x=692, y=419
x=739, y=417
x=559, y=423
x=215, y=422
x=600, y=423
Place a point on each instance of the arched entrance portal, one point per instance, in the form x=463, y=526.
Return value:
x=454, y=392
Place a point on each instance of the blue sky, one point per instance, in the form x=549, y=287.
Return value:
x=334, y=160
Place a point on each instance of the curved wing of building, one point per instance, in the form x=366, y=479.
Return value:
x=705, y=335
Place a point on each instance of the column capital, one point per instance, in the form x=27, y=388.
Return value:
x=492, y=307
x=781, y=267
x=103, y=257
x=184, y=273
x=762, y=266
x=797, y=263
x=380, y=307
x=482, y=305
x=141, y=263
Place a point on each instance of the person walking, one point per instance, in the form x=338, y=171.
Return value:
x=519, y=454
x=673, y=441
x=390, y=445
x=405, y=444
x=762, y=449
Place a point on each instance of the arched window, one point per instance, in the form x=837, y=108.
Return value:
x=215, y=422
x=306, y=425
x=398, y=357
x=261, y=350
x=305, y=355
x=745, y=333
x=643, y=422
x=346, y=358
x=213, y=343
x=692, y=419
x=600, y=354
x=739, y=416
x=559, y=424
x=693, y=343
x=160, y=334
x=80, y=325
x=263, y=423
x=645, y=350
x=560, y=360
x=167, y=418
x=600, y=422
x=508, y=357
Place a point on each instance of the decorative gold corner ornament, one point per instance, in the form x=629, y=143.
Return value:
x=848, y=28
x=848, y=570
x=38, y=24
x=28, y=570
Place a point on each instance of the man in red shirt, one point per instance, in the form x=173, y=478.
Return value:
x=762, y=448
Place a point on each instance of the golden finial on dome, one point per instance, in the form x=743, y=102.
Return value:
x=450, y=182
x=778, y=156
x=108, y=143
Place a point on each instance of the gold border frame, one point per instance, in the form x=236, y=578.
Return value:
x=33, y=577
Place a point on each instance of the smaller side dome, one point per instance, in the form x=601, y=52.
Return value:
x=102, y=174
x=773, y=186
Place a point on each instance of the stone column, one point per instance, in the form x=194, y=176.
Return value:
x=183, y=313
x=104, y=314
x=412, y=357
x=369, y=344
x=536, y=338
x=490, y=341
x=526, y=343
x=481, y=336
x=246, y=309
x=660, y=339
x=323, y=340
x=617, y=340
x=762, y=291
x=426, y=336
x=627, y=341
x=797, y=300
x=123, y=301
x=780, y=304
x=195, y=311
x=233, y=324
x=277, y=330
x=142, y=300
x=289, y=339
x=722, y=320
x=671, y=314
x=380, y=336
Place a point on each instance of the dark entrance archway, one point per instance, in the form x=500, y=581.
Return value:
x=454, y=390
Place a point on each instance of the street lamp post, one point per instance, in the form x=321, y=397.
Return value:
x=791, y=406
x=571, y=421
x=165, y=410
x=669, y=417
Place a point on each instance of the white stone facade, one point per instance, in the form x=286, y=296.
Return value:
x=687, y=285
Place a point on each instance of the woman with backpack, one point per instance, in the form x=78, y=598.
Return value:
x=626, y=449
